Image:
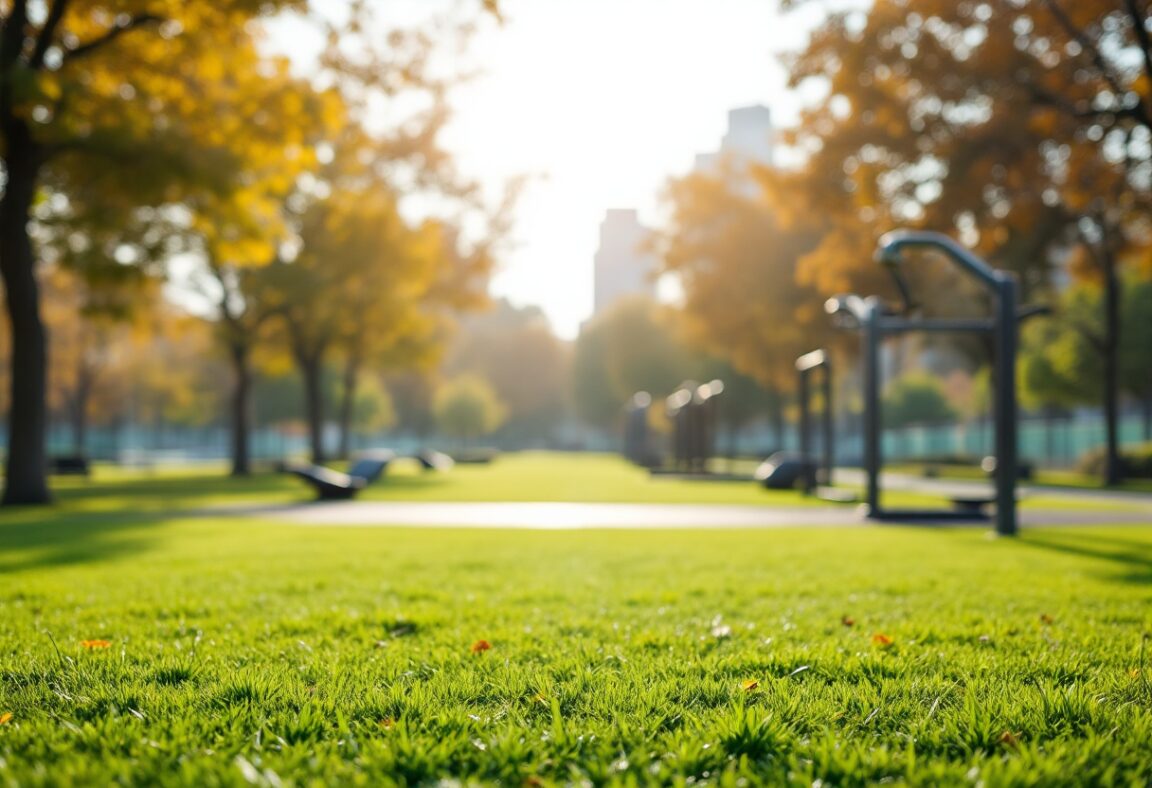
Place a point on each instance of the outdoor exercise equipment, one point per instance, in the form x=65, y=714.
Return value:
x=874, y=321
x=806, y=366
x=638, y=446
x=692, y=410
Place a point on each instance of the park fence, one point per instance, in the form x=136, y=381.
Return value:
x=1051, y=443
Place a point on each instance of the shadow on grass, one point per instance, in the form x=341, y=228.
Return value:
x=171, y=489
x=100, y=520
x=46, y=539
x=1132, y=557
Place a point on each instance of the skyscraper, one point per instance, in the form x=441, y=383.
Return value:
x=750, y=139
x=621, y=266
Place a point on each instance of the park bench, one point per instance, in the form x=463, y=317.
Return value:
x=783, y=471
x=333, y=485
x=69, y=465
x=432, y=460
x=971, y=504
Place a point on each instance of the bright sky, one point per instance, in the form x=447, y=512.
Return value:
x=602, y=101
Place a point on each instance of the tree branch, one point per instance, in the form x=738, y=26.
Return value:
x=1139, y=26
x=1140, y=111
x=48, y=33
x=12, y=37
x=1081, y=38
x=111, y=35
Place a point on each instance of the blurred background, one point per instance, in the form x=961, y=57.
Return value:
x=254, y=230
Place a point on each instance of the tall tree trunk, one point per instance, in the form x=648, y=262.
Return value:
x=1112, y=471
x=26, y=479
x=313, y=406
x=348, y=403
x=241, y=408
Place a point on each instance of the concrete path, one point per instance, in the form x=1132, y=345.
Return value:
x=559, y=516
x=890, y=480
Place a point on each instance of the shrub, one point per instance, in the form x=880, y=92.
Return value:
x=1135, y=462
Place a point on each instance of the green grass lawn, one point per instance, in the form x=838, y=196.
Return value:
x=250, y=651
x=527, y=476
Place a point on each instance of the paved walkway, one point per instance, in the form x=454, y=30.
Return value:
x=560, y=516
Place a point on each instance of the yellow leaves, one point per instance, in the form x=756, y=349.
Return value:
x=92, y=645
x=5, y=718
x=750, y=685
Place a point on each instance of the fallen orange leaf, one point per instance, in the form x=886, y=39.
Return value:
x=848, y=621
x=1008, y=739
x=750, y=685
x=480, y=645
x=882, y=640
x=5, y=718
x=90, y=644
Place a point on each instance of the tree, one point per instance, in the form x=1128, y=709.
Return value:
x=916, y=400
x=86, y=338
x=239, y=233
x=1021, y=127
x=466, y=407
x=1061, y=368
x=632, y=346
x=1136, y=351
x=95, y=105
x=499, y=345
x=363, y=280
x=736, y=261
x=412, y=391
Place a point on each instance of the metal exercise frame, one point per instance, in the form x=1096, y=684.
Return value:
x=806, y=366
x=873, y=321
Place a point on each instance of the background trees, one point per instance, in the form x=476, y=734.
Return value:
x=1022, y=127
x=114, y=108
x=467, y=407
x=133, y=132
x=736, y=260
x=632, y=346
x=528, y=367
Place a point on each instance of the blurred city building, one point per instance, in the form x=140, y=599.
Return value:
x=622, y=265
x=750, y=139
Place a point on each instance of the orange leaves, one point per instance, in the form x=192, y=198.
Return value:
x=5, y=718
x=480, y=646
x=848, y=621
x=95, y=644
x=880, y=640
x=1009, y=739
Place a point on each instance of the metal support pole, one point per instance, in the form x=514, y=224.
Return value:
x=1007, y=466
x=870, y=326
x=828, y=418
x=806, y=464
